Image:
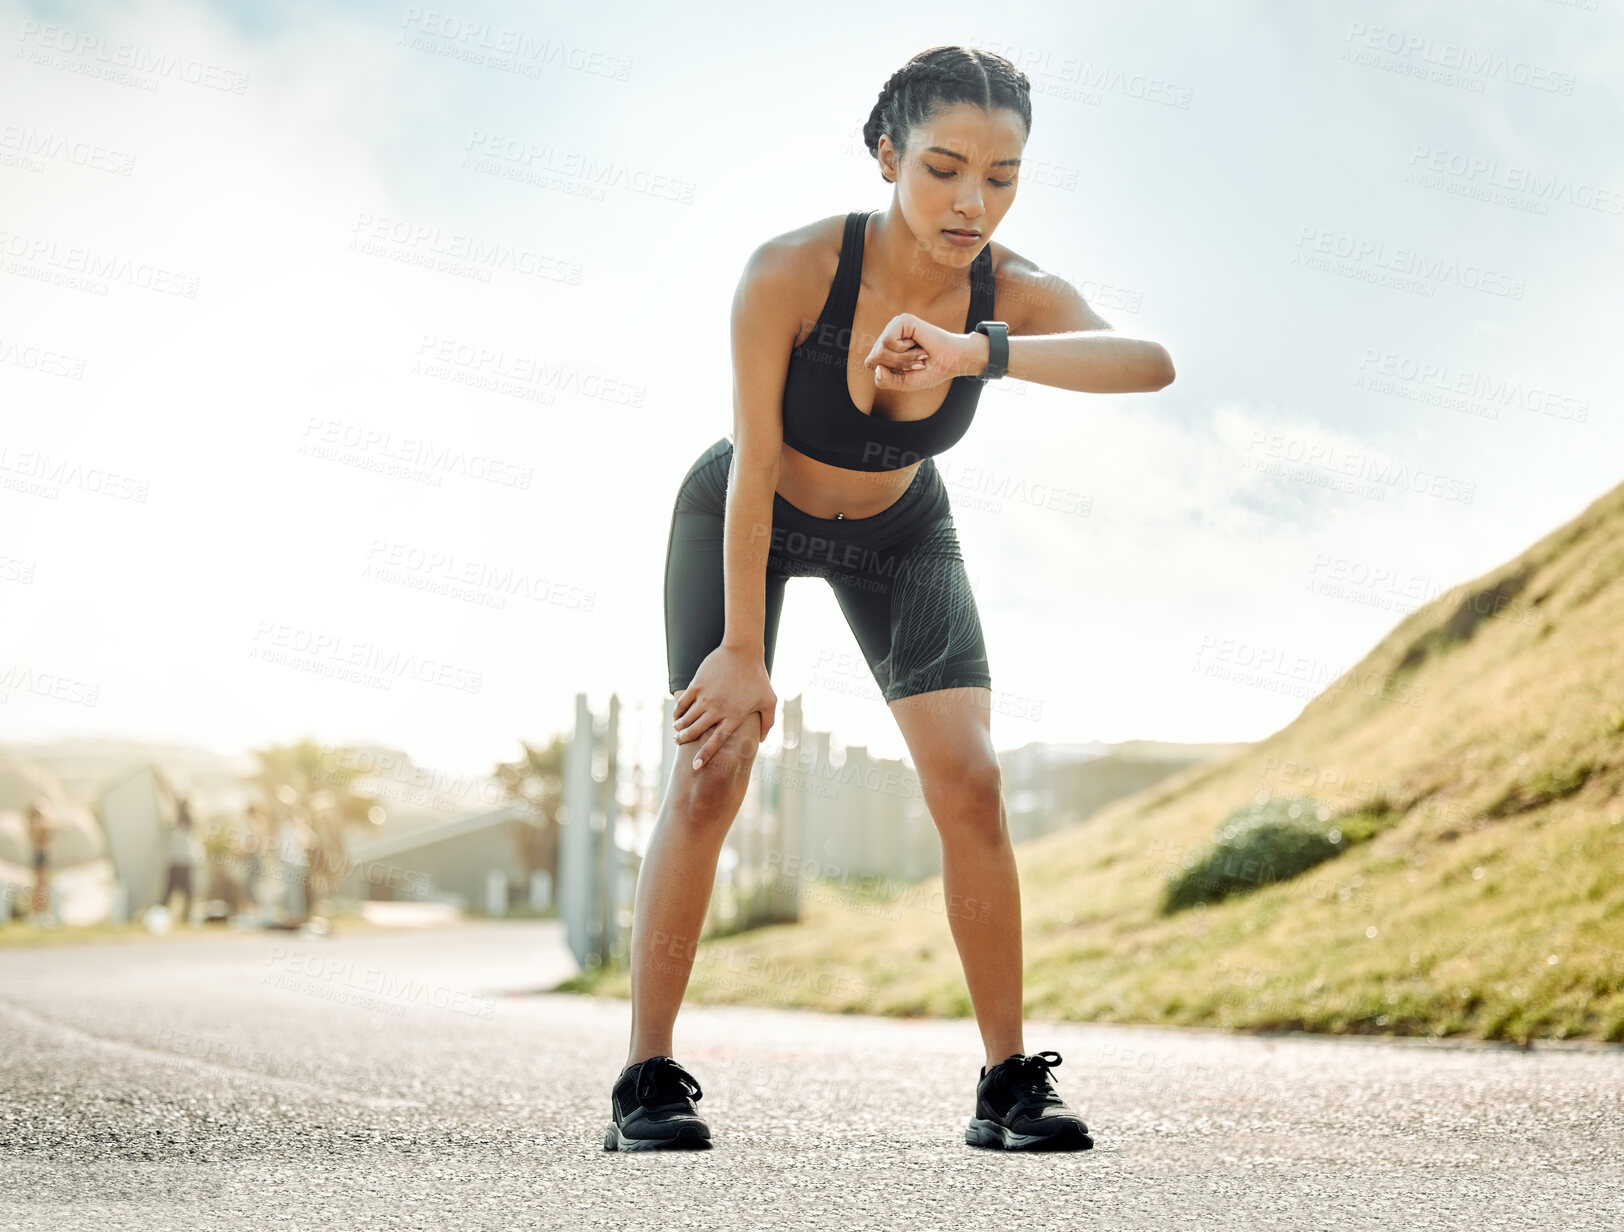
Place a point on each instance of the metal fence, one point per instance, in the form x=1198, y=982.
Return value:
x=805, y=819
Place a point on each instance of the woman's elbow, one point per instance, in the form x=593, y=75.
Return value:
x=1161, y=370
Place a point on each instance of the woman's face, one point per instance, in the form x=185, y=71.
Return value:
x=960, y=172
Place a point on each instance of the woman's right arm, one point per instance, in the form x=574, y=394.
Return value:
x=732, y=682
x=764, y=328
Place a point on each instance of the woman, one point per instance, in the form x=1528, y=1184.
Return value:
x=294, y=841
x=183, y=859
x=39, y=835
x=836, y=415
x=256, y=843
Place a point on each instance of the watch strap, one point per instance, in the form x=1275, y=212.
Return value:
x=997, y=333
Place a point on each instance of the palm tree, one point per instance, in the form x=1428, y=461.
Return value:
x=536, y=781
x=312, y=782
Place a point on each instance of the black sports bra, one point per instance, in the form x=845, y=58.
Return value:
x=820, y=418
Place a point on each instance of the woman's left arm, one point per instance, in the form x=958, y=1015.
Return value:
x=1055, y=338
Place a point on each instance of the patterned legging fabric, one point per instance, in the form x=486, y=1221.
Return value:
x=898, y=576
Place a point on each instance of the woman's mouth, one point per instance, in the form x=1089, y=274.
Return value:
x=962, y=237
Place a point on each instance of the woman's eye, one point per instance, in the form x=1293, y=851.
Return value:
x=948, y=175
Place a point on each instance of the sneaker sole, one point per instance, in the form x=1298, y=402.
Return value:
x=986, y=1133
x=685, y=1140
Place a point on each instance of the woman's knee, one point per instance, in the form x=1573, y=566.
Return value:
x=967, y=793
x=718, y=787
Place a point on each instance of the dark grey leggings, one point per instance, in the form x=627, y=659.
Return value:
x=898, y=576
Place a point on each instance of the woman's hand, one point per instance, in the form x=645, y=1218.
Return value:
x=911, y=353
x=730, y=685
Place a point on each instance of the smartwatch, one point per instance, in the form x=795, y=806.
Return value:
x=997, y=348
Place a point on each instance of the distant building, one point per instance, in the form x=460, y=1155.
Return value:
x=455, y=861
x=135, y=816
x=415, y=796
x=1048, y=787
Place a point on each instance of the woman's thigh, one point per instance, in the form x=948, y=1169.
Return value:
x=695, y=610
x=914, y=616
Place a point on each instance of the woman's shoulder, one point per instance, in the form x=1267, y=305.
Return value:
x=1018, y=282
x=807, y=253
x=1010, y=270
x=819, y=233
x=793, y=271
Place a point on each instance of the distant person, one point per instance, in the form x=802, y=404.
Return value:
x=293, y=850
x=256, y=848
x=39, y=835
x=183, y=860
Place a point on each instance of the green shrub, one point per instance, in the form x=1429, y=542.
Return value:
x=1542, y=789
x=1258, y=844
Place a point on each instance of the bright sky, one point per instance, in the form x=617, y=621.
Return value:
x=309, y=310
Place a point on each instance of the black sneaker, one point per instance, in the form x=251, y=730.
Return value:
x=1018, y=1109
x=653, y=1108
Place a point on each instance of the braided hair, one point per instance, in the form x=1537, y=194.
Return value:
x=938, y=78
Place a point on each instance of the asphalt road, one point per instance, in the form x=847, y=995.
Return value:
x=414, y=1080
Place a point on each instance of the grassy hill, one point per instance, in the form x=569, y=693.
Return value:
x=1475, y=760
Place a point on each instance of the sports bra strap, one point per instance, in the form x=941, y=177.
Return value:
x=849, y=275
x=849, y=272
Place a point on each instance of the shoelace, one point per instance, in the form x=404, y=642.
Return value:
x=1028, y=1077
x=661, y=1076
